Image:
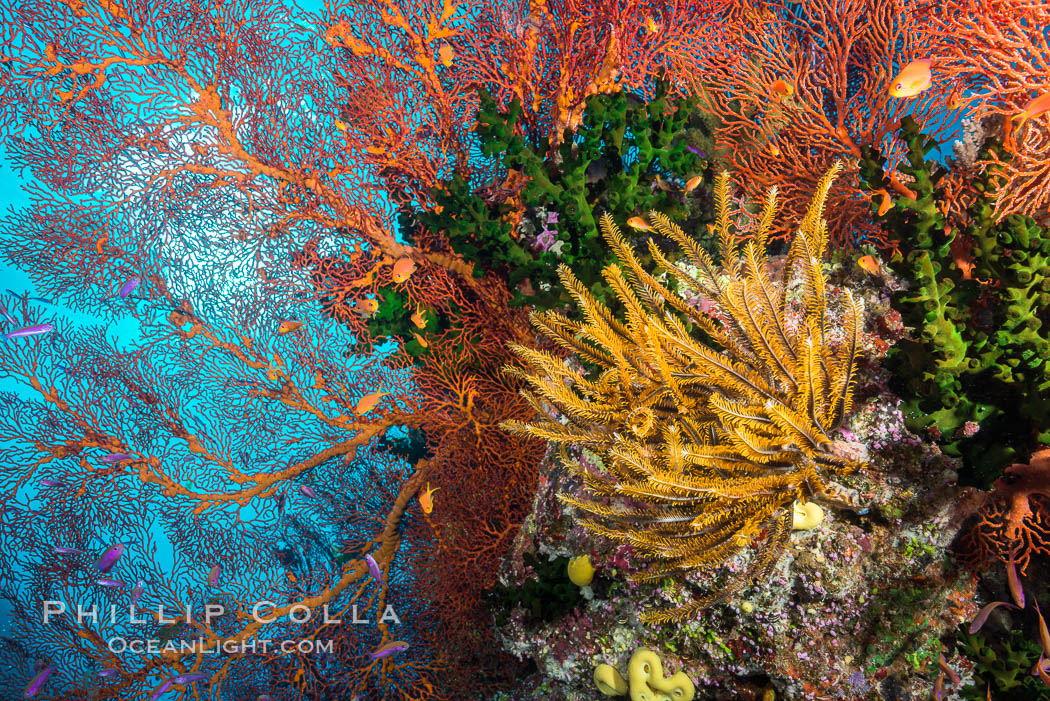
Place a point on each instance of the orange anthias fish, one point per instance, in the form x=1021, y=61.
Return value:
x=420, y=340
x=774, y=150
x=365, y=307
x=887, y=201
x=1034, y=108
x=287, y=326
x=426, y=500
x=913, y=79
x=368, y=402
x=639, y=223
x=446, y=54
x=651, y=25
x=693, y=182
x=403, y=270
x=782, y=89
x=870, y=264
x=418, y=319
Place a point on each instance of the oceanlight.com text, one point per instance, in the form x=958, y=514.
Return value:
x=230, y=647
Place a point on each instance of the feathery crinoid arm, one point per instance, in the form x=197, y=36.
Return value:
x=705, y=438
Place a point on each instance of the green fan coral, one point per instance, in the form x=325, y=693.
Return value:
x=706, y=439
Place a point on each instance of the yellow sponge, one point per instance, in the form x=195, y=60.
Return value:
x=646, y=677
x=581, y=571
x=609, y=681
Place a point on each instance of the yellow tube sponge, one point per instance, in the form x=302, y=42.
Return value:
x=646, y=677
x=806, y=516
x=609, y=681
x=581, y=571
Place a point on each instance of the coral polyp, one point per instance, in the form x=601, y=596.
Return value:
x=709, y=424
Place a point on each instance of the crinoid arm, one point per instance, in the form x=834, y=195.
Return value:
x=706, y=438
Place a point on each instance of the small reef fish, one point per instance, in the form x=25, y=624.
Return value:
x=190, y=677
x=651, y=25
x=403, y=270
x=887, y=201
x=639, y=224
x=774, y=150
x=1034, y=108
x=111, y=672
x=426, y=500
x=418, y=319
x=112, y=583
x=420, y=340
x=213, y=576
x=115, y=458
x=693, y=183
x=446, y=54
x=388, y=649
x=782, y=89
x=870, y=264
x=137, y=592
x=38, y=682
x=365, y=307
x=7, y=315
x=288, y=326
x=110, y=557
x=168, y=683
x=62, y=550
x=982, y=615
x=373, y=567
x=128, y=287
x=913, y=79
x=307, y=491
x=368, y=402
x=1044, y=632
x=1014, y=582
x=53, y=483
x=30, y=331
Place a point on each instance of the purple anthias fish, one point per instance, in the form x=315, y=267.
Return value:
x=373, y=567
x=110, y=583
x=109, y=672
x=30, y=331
x=63, y=550
x=128, y=287
x=38, y=682
x=213, y=576
x=137, y=592
x=115, y=457
x=7, y=315
x=52, y=483
x=168, y=683
x=190, y=677
x=308, y=491
x=110, y=557
x=388, y=649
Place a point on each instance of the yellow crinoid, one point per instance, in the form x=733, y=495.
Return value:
x=707, y=439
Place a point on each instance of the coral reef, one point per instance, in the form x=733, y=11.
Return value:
x=627, y=157
x=978, y=298
x=708, y=443
x=855, y=609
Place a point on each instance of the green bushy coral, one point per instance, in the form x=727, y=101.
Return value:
x=979, y=352
x=627, y=157
x=1004, y=668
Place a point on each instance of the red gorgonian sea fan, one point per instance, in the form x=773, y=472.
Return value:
x=1015, y=516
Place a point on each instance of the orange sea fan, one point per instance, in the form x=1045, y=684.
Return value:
x=838, y=56
x=997, y=53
